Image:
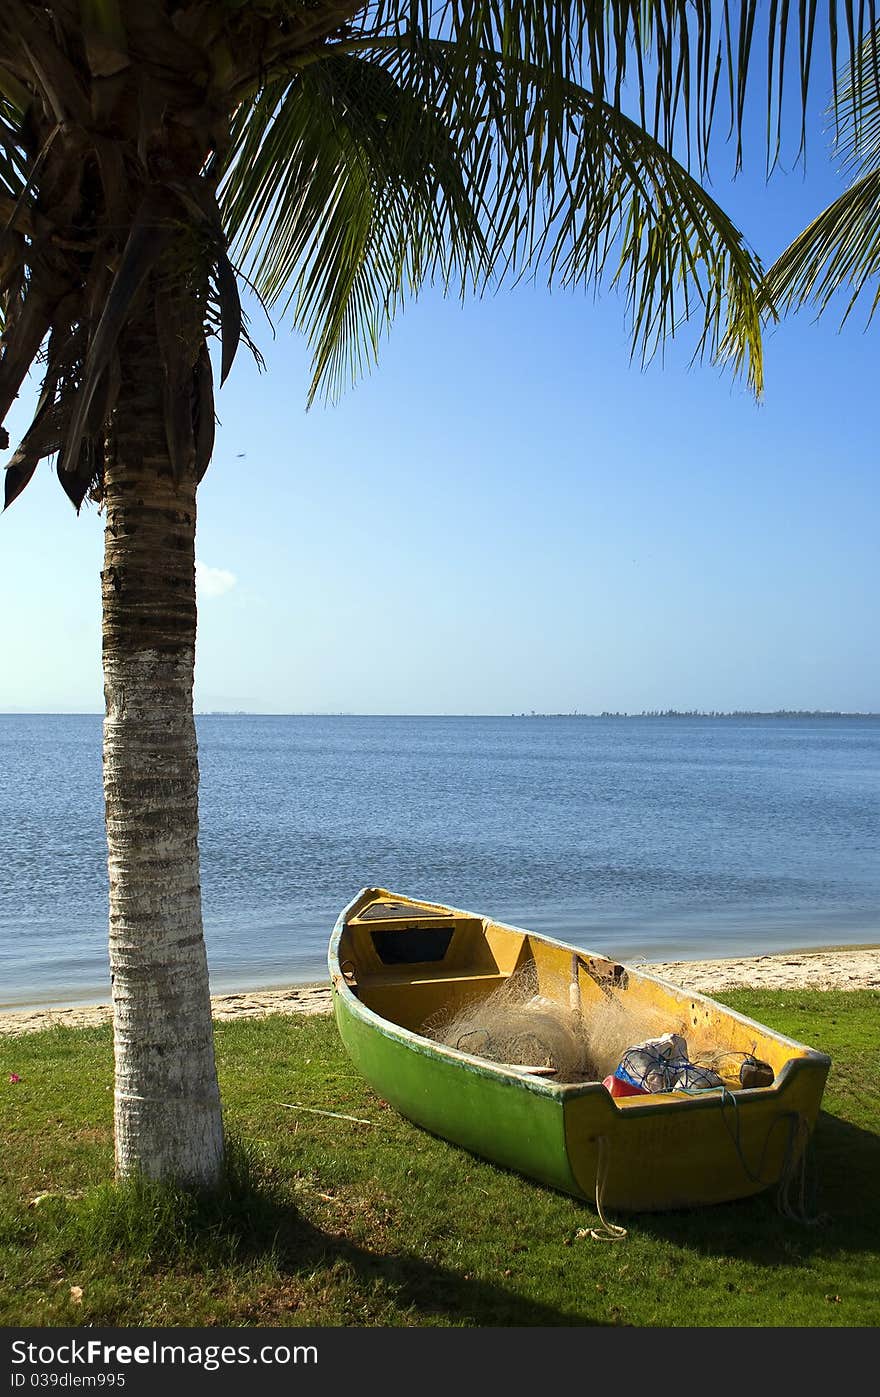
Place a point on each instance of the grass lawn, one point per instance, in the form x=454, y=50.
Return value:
x=329, y=1222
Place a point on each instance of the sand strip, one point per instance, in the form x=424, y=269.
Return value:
x=245, y=1004
x=831, y=968
x=850, y=969
x=853, y=968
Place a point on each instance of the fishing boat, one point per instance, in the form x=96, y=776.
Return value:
x=398, y=967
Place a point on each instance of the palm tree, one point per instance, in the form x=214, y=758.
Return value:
x=349, y=153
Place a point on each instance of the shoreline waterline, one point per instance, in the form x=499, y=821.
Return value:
x=828, y=968
x=225, y=985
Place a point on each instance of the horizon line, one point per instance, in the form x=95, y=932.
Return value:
x=532, y=713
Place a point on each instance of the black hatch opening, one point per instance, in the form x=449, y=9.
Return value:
x=412, y=945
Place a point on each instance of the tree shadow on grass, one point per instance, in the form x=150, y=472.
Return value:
x=840, y=1184
x=255, y=1228
x=271, y=1223
x=435, y=1294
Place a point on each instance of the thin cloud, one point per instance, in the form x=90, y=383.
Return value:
x=213, y=582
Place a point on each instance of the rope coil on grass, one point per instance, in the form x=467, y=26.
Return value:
x=608, y=1231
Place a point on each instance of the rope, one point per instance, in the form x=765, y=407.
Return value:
x=609, y=1231
x=792, y=1179
x=728, y=1098
x=794, y=1165
x=794, y=1174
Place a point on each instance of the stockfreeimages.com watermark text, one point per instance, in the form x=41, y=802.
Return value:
x=74, y=1353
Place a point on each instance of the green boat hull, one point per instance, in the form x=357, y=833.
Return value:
x=515, y=1123
x=639, y=1153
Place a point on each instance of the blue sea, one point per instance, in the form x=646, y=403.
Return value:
x=654, y=838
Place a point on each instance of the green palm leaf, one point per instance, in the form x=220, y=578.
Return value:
x=840, y=250
x=676, y=60
x=858, y=108
x=345, y=193
x=378, y=146
x=369, y=174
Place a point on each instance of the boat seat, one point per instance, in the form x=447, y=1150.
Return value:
x=404, y=975
x=410, y=1001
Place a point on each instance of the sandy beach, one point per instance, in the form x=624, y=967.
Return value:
x=845, y=968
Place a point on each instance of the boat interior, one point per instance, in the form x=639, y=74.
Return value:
x=410, y=961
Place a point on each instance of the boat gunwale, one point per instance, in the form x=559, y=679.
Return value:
x=541, y=1086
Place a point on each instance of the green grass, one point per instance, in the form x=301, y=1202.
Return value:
x=327, y=1222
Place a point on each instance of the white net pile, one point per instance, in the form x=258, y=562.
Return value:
x=611, y=1026
x=524, y=1025
x=518, y=1025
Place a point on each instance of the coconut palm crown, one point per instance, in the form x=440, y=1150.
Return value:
x=365, y=149
x=343, y=154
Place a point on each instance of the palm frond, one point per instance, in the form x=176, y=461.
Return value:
x=346, y=191
x=857, y=131
x=840, y=249
x=677, y=62
x=378, y=145
x=368, y=175
x=839, y=252
x=13, y=161
x=14, y=212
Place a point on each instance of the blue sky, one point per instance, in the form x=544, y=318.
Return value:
x=508, y=515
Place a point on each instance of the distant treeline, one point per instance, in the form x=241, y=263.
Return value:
x=708, y=713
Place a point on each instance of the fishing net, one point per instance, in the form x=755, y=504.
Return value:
x=612, y=1026
x=698, y=1059
x=663, y=1064
x=516, y=1024
x=524, y=1025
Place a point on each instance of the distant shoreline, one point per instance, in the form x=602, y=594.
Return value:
x=782, y=713
x=709, y=713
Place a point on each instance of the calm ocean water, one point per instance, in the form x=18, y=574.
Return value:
x=654, y=838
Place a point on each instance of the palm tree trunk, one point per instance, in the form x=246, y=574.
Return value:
x=167, y=1108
